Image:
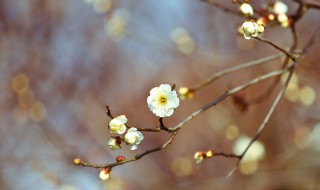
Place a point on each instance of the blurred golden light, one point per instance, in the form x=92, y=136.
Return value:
x=25, y=97
x=294, y=78
x=184, y=43
x=19, y=82
x=182, y=166
x=115, y=183
x=292, y=93
x=232, y=132
x=301, y=137
x=102, y=6
x=37, y=111
x=307, y=95
x=247, y=168
x=116, y=26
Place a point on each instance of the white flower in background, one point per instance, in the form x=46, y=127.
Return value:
x=250, y=29
x=116, y=125
x=283, y=20
x=133, y=138
x=280, y=8
x=113, y=144
x=255, y=153
x=162, y=100
x=104, y=174
x=246, y=9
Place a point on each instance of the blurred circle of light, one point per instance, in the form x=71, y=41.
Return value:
x=37, y=111
x=102, y=6
x=292, y=93
x=232, y=132
x=255, y=153
x=25, y=97
x=182, y=166
x=116, y=25
x=307, y=95
x=294, y=78
x=301, y=137
x=184, y=43
x=315, y=136
x=19, y=82
x=248, y=167
x=115, y=183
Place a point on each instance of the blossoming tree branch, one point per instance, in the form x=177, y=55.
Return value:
x=164, y=99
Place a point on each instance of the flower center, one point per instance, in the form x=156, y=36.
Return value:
x=162, y=99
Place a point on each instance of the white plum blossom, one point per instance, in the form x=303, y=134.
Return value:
x=117, y=125
x=163, y=100
x=280, y=8
x=104, y=174
x=246, y=9
x=133, y=138
x=113, y=144
x=250, y=29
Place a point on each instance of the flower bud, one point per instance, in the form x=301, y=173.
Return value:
x=246, y=9
x=185, y=93
x=105, y=174
x=199, y=157
x=77, y=161
x=120, y=158
x=209, y=153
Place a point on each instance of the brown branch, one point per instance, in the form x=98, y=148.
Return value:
x=227, y=94
x=315, y=37
x=135, y=158
x=277, y=47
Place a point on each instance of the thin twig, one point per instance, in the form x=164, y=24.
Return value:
x=315, y=37
x=137, y=157
x=227, y=94
x=277, y=47
x=127, y=125
x=227, y=71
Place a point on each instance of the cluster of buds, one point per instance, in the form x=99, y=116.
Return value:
x=132, y=138
x=277, y=10
x=200, y=156
x=251, y=29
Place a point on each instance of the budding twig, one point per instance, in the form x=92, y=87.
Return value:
x=227, y=94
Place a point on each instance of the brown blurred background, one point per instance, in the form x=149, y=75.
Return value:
x=62, y=61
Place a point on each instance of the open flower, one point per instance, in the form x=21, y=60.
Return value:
x=114, y=143
x=104, y=173
x=116, y=125
x=133, y=138
x=162, y=100
x=250, y=29
x=246, y=9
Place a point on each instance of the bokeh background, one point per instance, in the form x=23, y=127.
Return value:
x=61, y=62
